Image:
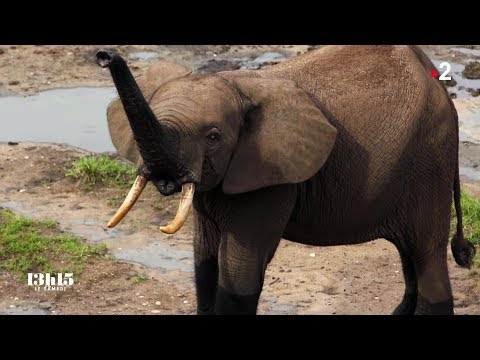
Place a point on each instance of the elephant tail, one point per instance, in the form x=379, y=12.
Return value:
x=462, y=250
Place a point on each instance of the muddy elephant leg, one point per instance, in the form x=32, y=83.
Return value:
x=205, y=246
x=434, y=290
x=255, y=227
x=409, y=302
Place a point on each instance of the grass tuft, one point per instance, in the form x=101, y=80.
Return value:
x=471, y=217
x=101, y=170
x=139, y=278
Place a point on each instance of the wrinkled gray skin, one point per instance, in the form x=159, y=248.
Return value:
x=341, y=145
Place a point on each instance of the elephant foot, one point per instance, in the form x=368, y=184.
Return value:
x=424, y=307
x=407, y=306
x=206, y=311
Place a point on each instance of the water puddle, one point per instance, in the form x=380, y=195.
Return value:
x=143, y=55
x=74, y=116
x=24, y=309
x=279, y=309
x=262, y=60
x=18, y=207
x=470, y=125
x=158, y=255
x=456, y=73
x=474, y=52
x=471, y=173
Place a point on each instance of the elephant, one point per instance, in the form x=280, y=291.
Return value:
x=340, y=145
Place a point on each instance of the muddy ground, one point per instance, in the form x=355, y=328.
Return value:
x=360, y=279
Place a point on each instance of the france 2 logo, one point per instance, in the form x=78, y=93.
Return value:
x=50, y=282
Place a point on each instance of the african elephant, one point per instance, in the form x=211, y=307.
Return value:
x=340, y=145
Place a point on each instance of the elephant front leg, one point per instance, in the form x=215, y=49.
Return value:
x=205, y=248
x=241, y=274
x=206, y=279
x=256, y=222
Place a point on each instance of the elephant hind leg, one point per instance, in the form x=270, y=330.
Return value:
x=434, y=290
x=409, y=302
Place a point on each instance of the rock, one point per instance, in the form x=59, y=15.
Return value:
x=158, y=303
x=12, y=143
x=472, y=70
x=2, y=51
x=453, y=95
x=312, y=254
x=450, y=83
x=14, y=82
x=474, y=92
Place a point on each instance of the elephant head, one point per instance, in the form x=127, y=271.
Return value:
x=238, y=130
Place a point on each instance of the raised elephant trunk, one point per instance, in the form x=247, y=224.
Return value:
x=149, y=135
x=154, y=141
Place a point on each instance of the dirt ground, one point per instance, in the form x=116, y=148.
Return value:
x=360, y=279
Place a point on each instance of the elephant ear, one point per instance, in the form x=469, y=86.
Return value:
x=157, y=74
x=285, y=138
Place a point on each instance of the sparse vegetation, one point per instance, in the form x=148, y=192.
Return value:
x=38, y=246
x=112, y=202
x=101, y=170
x=139, y=278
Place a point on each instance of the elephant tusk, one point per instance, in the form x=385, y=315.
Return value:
x=133, y=195
x=188, y=190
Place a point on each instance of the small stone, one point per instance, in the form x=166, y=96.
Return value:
x=453, y=95
x=137, y=294
x=185, y=301
x=22, y=190
x=155, y=311
x=14, y=82
x=141, y=296
x=474, y=92
x=2, y=51
x=312, y=254
x=12, y=306
x=472, y=70
x=144, y=304
x=450, y=83
x=376, y=297
x=158, y=303
x=26, y=157
x=15, y=298
x=53, y=311
x=12, y=143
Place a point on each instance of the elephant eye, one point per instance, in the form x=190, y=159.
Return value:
x=213, y=136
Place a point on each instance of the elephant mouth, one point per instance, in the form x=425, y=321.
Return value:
x=168, y=187
x=185, y=184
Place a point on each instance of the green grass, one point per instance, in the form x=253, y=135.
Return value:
x=38, y=246
x=139, y=278
x=113, y=202
x=471, y=217
x=471, y=221
x=101, y=170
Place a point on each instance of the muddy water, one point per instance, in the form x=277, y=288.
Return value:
x=74, y=116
